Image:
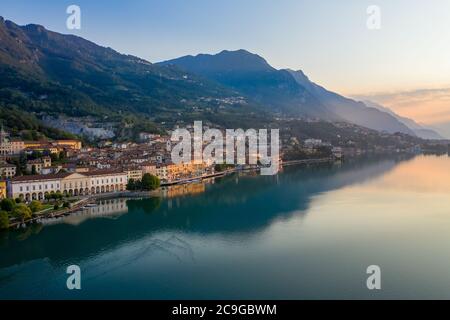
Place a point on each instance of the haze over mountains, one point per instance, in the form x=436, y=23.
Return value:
x=286, y=91
x=420, y=130
x=252, y=76
x=45, y=72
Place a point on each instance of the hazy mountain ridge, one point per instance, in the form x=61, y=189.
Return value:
x=253, y=77
x=420, y=130
x=353, y=111
x=44, y=72
x=284, y=91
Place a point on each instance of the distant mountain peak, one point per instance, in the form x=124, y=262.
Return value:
x=35, y=28
x=229, y=60
x=252, y=76
x=300, y=76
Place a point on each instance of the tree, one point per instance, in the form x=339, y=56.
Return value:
x=35, y=155
x=7, y=204
x=4, y=220
x=22, y=212
x=58, y=195
x=150, y=182
x=56, y=206
x=219, y=167
x=35, y=206
x=131, y=185
x=18, y=200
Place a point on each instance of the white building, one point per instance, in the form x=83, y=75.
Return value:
x=34, y=187
x=72, y=184
x=107, y=180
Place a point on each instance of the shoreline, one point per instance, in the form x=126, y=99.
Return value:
x=148, y=194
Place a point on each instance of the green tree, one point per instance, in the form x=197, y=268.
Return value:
x=150, y=182
x=7, y=204
x=54, y=157
x=58, y=195
x=18, y=200
x=22, y=212
x=131, y=185
x=35, y=206
x=221, y=167
x=4, y=220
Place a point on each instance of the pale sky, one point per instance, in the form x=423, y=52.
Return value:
x=329, y=40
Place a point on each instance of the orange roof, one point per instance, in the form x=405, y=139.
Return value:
x=41, y=177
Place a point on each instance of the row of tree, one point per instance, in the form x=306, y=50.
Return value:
x=16, y=209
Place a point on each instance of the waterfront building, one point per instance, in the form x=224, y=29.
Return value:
x=35, y=186
x=161, y=172
x=134, y=173
x=71, y=184
x=149, y=167
x=75, y=184
x=107, y=180
x=185, y=170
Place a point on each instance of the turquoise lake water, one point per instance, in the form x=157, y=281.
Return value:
x=306, y=233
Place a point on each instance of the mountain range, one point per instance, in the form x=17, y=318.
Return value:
x=420, y=130
x=44, y=72
x=286, y=91
x=48, y=73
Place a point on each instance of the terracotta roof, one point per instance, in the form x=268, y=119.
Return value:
x=42, y=177
x=103, y=172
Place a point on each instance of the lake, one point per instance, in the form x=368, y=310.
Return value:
x=306, y=233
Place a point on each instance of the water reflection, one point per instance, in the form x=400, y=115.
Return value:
x=235, y=205
x=105, y=208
